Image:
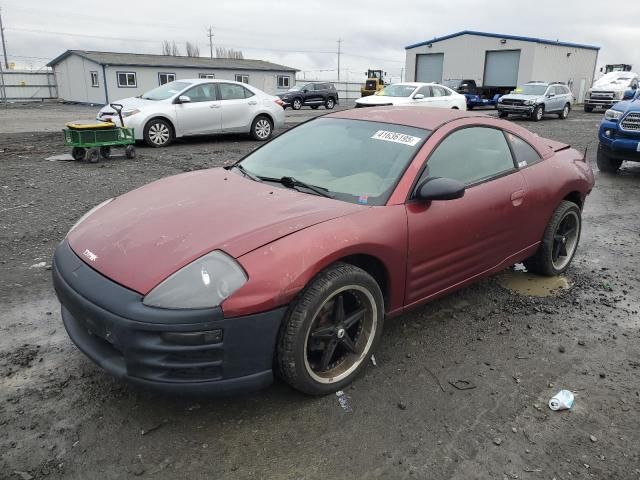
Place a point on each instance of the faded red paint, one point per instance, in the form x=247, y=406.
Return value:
x=283, y=238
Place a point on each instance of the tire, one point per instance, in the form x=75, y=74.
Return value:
x=503, y=114
x=588, y=109
x=330, y=103
x=92, y=155
x=315, y=355
x=105, y=152
x=470, y=107
x=130, y=152
x=565, y=112
x=538, y=113
x=158, y=133
x=296, y=104
x=560, y=241
x=314, y=107
x=78, y=153
x=261, y=128
x=605, y=163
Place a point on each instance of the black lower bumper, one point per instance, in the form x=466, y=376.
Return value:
x=161, y=348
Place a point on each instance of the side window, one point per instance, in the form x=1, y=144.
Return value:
x=229, y=91
x=439, y=91
x=470, y=155
x=94, y=79
x=525, y=154
x=426, y=91
x=202, y=93
x=560, y=90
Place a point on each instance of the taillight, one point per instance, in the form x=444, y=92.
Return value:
x=279, y=102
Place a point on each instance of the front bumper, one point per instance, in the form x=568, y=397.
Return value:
x=604, y=103
x=619, y=144
x=519, y=109
x=111, y=325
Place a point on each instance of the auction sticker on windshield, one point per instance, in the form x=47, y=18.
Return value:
x=396, y=137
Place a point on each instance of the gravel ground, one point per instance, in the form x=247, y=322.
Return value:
x=62, y=417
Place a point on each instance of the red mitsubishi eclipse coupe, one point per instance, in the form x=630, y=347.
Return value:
x=291, y=259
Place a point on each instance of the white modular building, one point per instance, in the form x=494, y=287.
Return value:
x=103, y=77
x=497, y=60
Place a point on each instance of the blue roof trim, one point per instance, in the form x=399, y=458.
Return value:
x=508, y=37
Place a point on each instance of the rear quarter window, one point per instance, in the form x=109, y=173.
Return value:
x=524, y=153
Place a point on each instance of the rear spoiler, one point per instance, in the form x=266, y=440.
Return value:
x=557, y=146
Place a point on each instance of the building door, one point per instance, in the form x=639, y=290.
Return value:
x=501, y=68
x=429, y=67
x=583, y=82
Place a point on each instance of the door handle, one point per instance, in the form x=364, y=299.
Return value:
x=252, y=102
x=214, y=105
x=517, y=198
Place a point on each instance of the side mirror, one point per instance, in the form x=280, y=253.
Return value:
x=629, y=94
x=439, y=188
x=305, y=91
x=418, y=96
x=549, y=95
x=184, y=99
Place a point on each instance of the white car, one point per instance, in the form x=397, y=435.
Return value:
x=198, y=107
x=415, y=93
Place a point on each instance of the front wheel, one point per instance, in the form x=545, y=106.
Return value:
x=261, y=129
x=330, y=330
x=559, y=243
x=158, y=133
x=329, y=104
x=588, y=108
x=605, y=162
x=503, y=114
x=537, y=113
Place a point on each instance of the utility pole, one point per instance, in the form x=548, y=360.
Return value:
x=4, y=45
x=210, y=35
x=339, y=53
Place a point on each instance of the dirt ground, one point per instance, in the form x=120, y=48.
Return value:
x=407, y=417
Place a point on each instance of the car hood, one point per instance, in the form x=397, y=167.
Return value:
x=142, y=237
x=382, y=100
x=131, y=103
x=520, y=96
x=616, y=81
x=627, y=106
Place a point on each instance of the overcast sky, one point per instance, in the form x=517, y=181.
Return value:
x=304, y=34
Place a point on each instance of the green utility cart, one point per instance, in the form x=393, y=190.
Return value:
x=90, y=141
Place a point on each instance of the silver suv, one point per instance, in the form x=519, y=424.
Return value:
x=535, y=99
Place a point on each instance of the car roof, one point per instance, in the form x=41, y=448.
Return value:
x=410, y=116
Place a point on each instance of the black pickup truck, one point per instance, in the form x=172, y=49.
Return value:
x=477, y=96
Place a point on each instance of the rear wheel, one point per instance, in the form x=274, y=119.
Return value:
x=330, y=103
x=158, y=133
x=559, y=243
x=565, y=112
x=330, y=330
x=605, y=162
x=588, y=108
x=78, y=153
x=296, y=104
x=261, y=128
x=537, y=113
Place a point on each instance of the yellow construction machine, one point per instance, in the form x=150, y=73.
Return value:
x=374, y=83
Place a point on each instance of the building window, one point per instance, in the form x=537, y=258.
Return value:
x=94, y=79
x=207, y=75
x=283, y=81
x=166, y=78
x=127, y=79
x=242, y=78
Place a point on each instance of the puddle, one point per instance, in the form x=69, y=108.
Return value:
x=520, y=281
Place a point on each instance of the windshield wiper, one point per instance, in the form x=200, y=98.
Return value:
x=247, y=173
x=291, y=182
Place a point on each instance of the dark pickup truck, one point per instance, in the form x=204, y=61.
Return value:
x=477, y=96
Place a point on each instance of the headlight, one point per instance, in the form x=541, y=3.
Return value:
x=86, y=215
x=529, y=102
x=128, y=113
x=205, y=282
x=500, y=100
x=612, y=114
x=588, y=94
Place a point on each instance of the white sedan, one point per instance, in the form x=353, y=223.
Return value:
x=415, y=93
x=198, y=107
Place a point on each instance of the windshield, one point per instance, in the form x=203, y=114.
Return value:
x=531, y=89
x=397, y=90
x=165, y=91
x=295, y=89
x=355, y=161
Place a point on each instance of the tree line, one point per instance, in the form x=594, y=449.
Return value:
x=170, y=48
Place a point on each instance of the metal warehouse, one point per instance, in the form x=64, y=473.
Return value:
x=101, y=77
x=495, y=60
